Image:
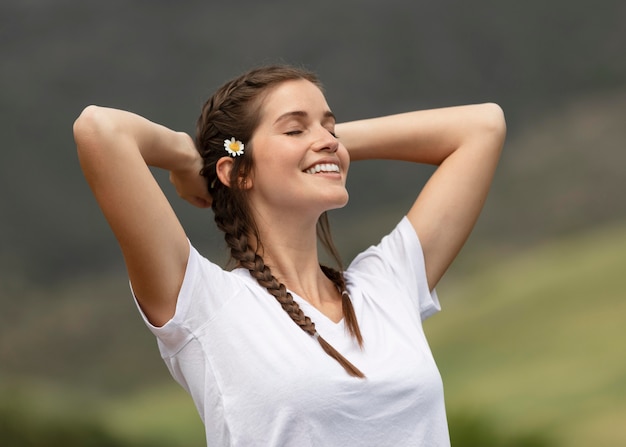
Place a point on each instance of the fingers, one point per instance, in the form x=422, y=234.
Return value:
x=193, y=191
x=199, y=202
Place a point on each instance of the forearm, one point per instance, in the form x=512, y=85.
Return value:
x=114, y=130
x=427, y=136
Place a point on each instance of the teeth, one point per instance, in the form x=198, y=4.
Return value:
x=324, y=167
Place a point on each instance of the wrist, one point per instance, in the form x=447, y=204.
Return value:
x=187, y=159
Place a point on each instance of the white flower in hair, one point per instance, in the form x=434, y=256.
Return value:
x=233, y=147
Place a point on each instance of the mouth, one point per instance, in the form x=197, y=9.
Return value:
x=323, y=168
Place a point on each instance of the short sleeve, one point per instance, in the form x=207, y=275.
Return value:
x=399, y=257
x=196, y=306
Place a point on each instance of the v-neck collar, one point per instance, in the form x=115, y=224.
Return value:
x=315, y=314
x=319, y=318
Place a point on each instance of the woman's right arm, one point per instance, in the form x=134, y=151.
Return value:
x=115, y=149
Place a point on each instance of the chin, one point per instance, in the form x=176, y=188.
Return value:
x=340, y=202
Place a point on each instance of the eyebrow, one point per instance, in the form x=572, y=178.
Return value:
x=302, y=114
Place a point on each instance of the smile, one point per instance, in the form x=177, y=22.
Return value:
x=324, y=167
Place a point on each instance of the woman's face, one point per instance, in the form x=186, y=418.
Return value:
x=299, y=165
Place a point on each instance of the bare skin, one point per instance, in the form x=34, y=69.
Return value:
x=115, y=149
x=464, y=142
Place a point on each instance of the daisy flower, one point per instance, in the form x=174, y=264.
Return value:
x=233, y=147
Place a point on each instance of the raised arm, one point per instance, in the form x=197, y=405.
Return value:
x=465, y=142
x=115, y=150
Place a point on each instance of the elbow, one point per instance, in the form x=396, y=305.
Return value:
x=86, y=123
x=90, y=128
x=494, y=123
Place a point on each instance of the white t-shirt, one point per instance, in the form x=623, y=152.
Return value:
x=257, y=379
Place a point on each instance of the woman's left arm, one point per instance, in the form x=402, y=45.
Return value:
x=464, y=142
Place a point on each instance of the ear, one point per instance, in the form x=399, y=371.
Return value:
x=224, y=168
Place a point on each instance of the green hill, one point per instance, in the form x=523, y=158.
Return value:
x=537, y=341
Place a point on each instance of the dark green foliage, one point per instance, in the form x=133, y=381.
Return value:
x=22, y=427
x=468, y=429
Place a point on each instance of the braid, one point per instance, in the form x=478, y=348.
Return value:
x=242, y=252
x=263, y=275
x=346, y=303
x=234, y=111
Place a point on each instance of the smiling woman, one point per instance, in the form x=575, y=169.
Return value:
x=281, y=350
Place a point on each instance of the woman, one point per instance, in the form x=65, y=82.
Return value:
x=280, y=350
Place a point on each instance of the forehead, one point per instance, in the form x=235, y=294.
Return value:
x=296, y=95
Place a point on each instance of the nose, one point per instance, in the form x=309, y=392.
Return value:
x=325, y=141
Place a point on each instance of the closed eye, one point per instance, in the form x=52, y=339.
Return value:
x=293, y=132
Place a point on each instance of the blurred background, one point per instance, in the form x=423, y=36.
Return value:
x=532, y=339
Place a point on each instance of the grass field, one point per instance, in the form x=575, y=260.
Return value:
x=165, y=415
x=529, y=345
x=538, y=342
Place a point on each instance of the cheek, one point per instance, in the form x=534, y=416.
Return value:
x=268, y=170
x=344, y=156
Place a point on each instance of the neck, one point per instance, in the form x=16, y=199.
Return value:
x=289, y=246
x=290, y=249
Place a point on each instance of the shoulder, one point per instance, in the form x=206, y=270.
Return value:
x=205, y=289
x=394, y=269
x=396, y=253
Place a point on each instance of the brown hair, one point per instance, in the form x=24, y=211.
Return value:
x=234, y=110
